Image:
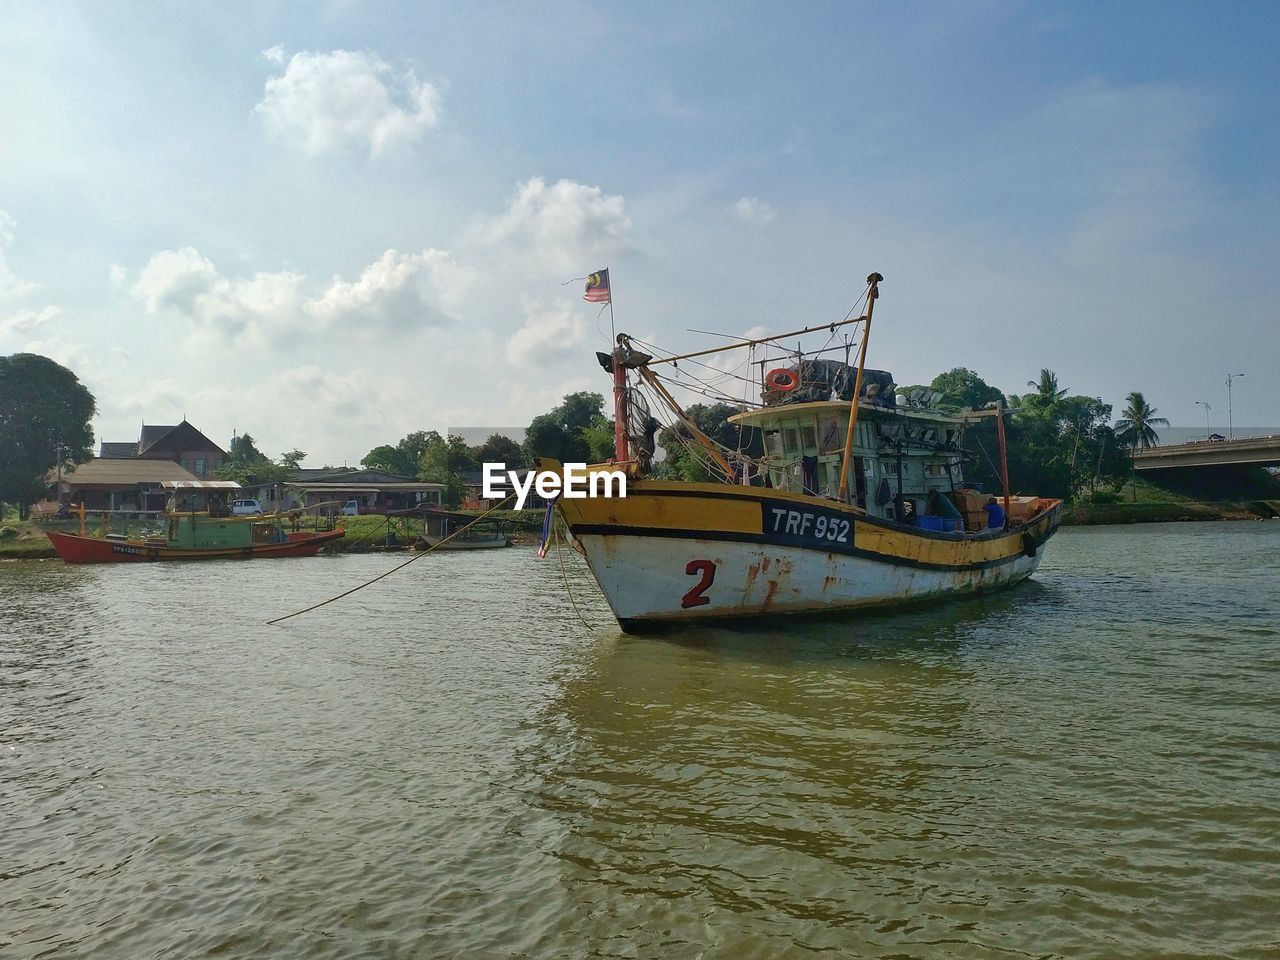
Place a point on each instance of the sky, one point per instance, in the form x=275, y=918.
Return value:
x=329, y=225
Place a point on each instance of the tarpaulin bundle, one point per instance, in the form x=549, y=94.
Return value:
x=833, y=380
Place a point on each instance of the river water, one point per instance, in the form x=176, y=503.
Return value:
x=451, y=764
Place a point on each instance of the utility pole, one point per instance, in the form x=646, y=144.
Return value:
x=1207, y=408
x=1231, y=426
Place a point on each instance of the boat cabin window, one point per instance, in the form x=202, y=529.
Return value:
x=789, y=440
x=773, y=443
x=809, y=437
x=935, y=469
x=831, y=436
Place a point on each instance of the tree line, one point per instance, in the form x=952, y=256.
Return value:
x=574, y=431
x=1060, y=444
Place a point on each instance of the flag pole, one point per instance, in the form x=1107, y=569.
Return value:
x=613, y=330
x=621, y=445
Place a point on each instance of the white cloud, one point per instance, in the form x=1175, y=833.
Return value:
x=24, y=321
x=12, y=287
x=332, y=101
x=397, y=292
x=117, y=275
x=175, y=279
x=753, y=210
x=187, y=284
x=567, y=226
x=549, y=333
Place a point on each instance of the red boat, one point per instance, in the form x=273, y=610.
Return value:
x=197, y=537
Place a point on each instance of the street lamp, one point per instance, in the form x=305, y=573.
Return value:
x=1207, y=408
x=1231, y=427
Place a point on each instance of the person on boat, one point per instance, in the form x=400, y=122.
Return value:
x=995, y=514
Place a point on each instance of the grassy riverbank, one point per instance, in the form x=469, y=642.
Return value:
x=371, y=532
x=1145, y=502
x=23, y=541
x=1087, y=514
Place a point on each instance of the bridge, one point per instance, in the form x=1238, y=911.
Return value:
x=1250, y=451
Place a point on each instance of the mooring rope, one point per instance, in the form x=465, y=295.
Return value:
x=347, y=593
x=560, y=544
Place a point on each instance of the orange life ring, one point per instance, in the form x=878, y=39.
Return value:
x=782, y=380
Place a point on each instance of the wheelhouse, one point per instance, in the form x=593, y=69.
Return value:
x=902, y=458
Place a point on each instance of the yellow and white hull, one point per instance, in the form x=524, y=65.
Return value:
x=682, y=552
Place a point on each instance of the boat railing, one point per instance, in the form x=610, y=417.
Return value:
x=121, y=516
x=141, y=524
x=129, y=524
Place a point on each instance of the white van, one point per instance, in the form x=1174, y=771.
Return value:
x=351, y=508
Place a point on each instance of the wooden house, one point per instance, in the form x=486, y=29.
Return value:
x=182, y=444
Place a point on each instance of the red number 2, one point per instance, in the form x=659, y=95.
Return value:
x=695, y=598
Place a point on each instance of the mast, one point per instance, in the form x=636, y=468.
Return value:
x=620, y=411
x=872, y=295
x=1004, y=457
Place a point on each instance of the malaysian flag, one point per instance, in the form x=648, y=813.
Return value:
x=597, y=287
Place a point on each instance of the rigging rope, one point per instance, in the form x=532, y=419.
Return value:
x=995, y=471
x=710, y=388
x=725, y=374
x=347, y=593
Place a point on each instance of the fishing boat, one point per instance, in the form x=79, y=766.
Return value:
x=856, y=502
x=195, y=536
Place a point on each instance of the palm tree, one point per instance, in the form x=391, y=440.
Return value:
x=1135, y=429
x=1047, y=392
